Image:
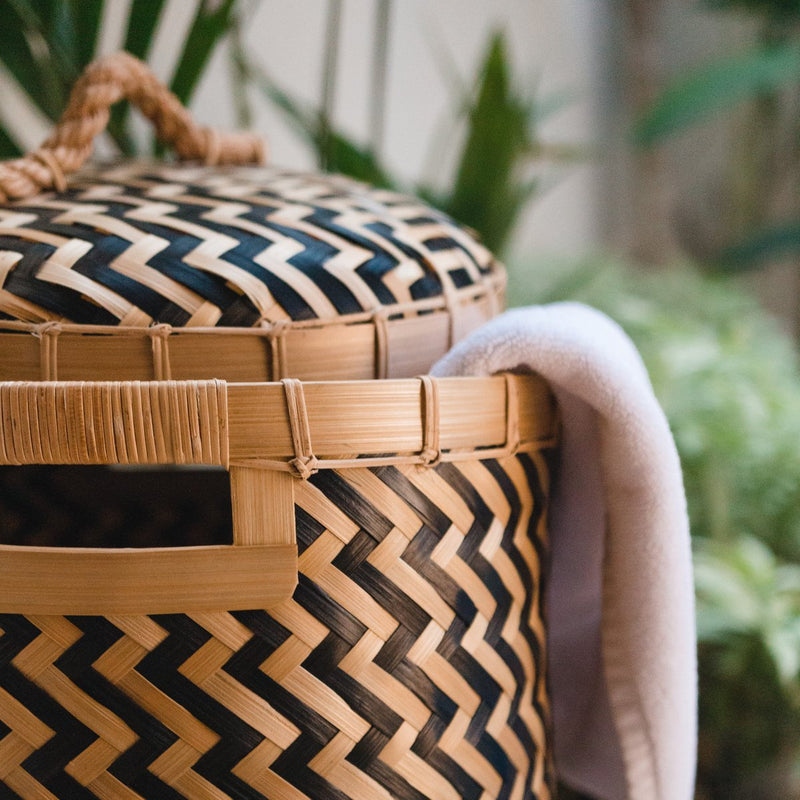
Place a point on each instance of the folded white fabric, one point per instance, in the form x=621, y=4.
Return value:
x=621, y=633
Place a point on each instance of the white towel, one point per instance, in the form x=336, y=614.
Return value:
x=621, y=633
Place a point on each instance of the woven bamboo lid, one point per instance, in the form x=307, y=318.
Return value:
x=140, y=250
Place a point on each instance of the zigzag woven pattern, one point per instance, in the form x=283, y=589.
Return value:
x=225, y=246
x=408, y=664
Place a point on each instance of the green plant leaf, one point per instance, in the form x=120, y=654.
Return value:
x=485, y=195
x=783, y=645
x=86, y=18
x=781, y=240
x=56, y=23
x=143, y=18
x=349, y=158
x=27, y=55
x=211, y=22
x=240, y=76
x=8, y=147
x=716, y=87
x=71, y=28
x=344, y=154
x=300, y=115
x=781, y=11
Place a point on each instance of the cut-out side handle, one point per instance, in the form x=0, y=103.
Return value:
x=249, y=428
x=106, y=81
x=168, y=422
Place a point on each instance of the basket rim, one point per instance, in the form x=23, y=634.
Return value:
x=277, y=426
x=382, y=343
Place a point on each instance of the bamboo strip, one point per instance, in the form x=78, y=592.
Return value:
x=372, y=417
x=263, y=507
x=52, y=580
x=114, y=423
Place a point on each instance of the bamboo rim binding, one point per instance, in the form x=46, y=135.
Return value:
x=379, y=344
x=291, y=426
x=103, y=83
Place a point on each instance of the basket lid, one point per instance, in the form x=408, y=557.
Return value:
x=140, y=244
x=225, y=244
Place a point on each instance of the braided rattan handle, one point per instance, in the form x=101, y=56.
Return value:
x=104, y=82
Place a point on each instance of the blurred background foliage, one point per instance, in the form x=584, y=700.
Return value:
x=725, y=372
x=747, y=216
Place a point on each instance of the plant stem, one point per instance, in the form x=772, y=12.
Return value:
x=329, y=71
x=240, y=76
x=380, y=58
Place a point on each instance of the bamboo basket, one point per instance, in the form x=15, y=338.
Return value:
x=331, y=586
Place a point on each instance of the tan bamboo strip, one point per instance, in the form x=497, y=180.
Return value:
x=359, y=663
x=356, y=600
x=185, y=422
x=205, y=661
x=371, y=345
x=103, y=83
x=106, y=787
x=92, y=762
x=23, y=721
x=123, y=656
x=312, y=500
x=142, y=630
x=56, y=635
x=173, y=764
x=53, y=580
x=370, y=417
x=105, y=724
x=263, y=506
x=222, y=626
x=193, y=732
x=269, y=783
x=13, y=750
x=19, y=781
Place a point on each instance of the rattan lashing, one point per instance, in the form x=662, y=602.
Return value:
x=374, y=625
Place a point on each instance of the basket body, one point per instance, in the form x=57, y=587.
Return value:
x=409, y=662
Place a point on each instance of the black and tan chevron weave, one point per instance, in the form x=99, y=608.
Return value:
x=185, y=246
x=408, y=664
